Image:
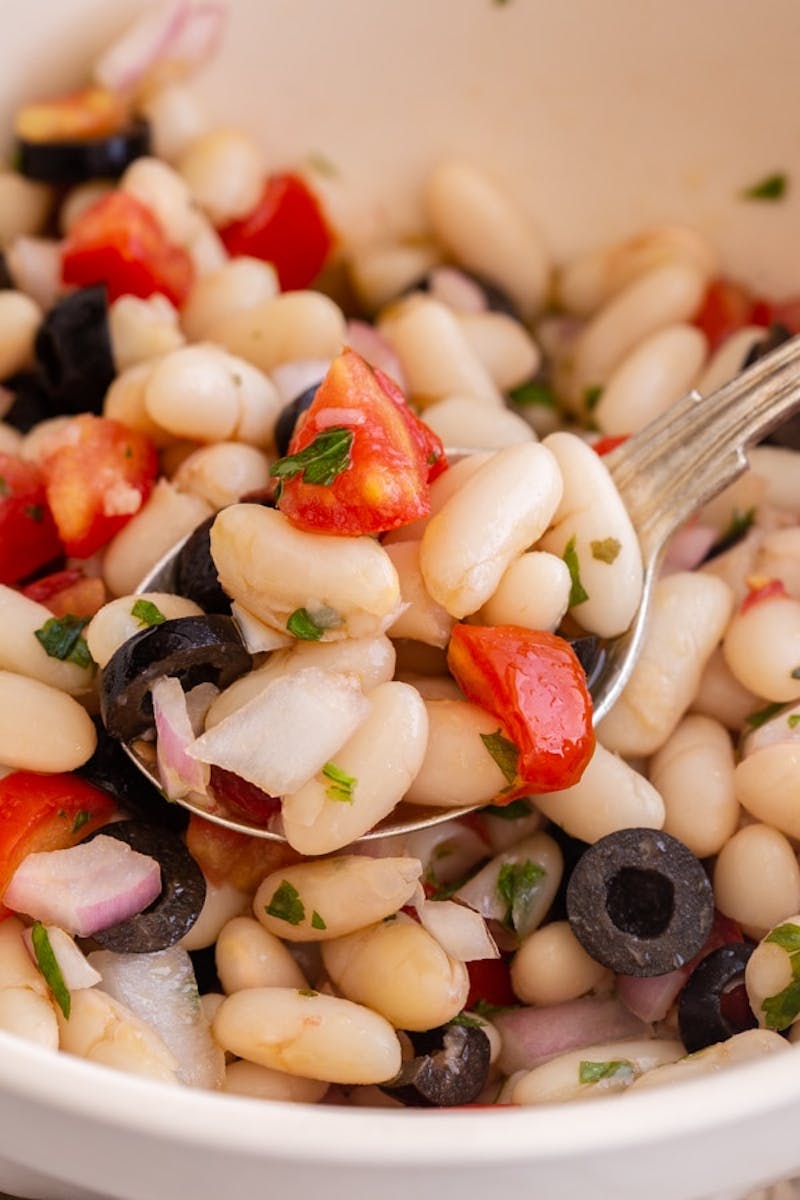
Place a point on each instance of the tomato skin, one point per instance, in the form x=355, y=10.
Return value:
x=118, y=242
x=225, y=856
x=68, y=591
x=46, y=812
x=385, y=483
x=96, y=479
x=490, y=981
x=532, y=681
x=762, y=590
x=28, y=534
x=287, y=228
x=429, y=445
x=243, y=798
x=727, y=307
x=605, y=445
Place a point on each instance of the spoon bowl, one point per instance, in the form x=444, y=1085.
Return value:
x=663, y=474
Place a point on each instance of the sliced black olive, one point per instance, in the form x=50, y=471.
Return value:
x=73, y=352
x=572, y=850
x=30, y=405
x=712, y=1005
x=195, y=650
x=74, y=160
x=450, y=1068
x=287, y=418
x=640, y=902
x=196, y=576
x=183, y=892
x=111, y=769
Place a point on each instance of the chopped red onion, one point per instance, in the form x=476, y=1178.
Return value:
x=178, y=771
x=533, y=1035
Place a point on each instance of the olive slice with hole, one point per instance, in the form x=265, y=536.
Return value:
x=183, y=891
x=73, y=352
x=713, y=1004
x=450, y=1068
x=640, y=903
x=74, y=160
x=194, y=650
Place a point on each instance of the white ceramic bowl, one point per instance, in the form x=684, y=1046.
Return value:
x=600, y=118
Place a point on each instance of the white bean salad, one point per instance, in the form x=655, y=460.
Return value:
x=402, y=555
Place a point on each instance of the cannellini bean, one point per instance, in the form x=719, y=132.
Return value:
x=484, y=231
x=776, y=467
x=248, y=955
x=779, y=558
x=767, y=784
x=591, y=522
x=20, y=317
x=115, y=622
x=309, y=1034
x=551, y=966
x=399, y=970
x=224, y=171
x=343, y=894
x=688, y=615
x=651, y=378
x=442, y=488
x=34, y=265
x=142, y=329
x=206, y=249
x=721, y=696
x=162, y=190
x=482, y=893
x=609, y=796
x=238, y=285
x=167, y=517
x=125, y=401
x=273, y=569
x=448, y=851
x=505, y=507
x=433, y=687
x=105, y=1031
x=742, y=1047
x=504, y=346
x=753, y=855
x=728, y=359
x=221, y=473
x=457, y=768
x=249, y=1079
x=465, y=421
x=43, y=729
x=380, y=273
x=435, y=354
x=28, y=1015
x=24, y=206
x=770, y=971
x=533, y=592
x=223, y=902
x=762, y=646
x=293, y=326
x=22, y=652
x=369, y=776
x=16, y=966
x=570, y=1076
x=421, y=617
x=176, y=119
x=693, y=772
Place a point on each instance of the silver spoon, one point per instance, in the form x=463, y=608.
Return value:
x=664, y=474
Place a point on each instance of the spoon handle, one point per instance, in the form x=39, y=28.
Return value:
x=682, y=459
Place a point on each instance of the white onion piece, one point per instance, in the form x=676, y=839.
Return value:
x=35, y=266
x=533, y=1035
x=457, y=290
x=687, y=548
x=308, y=715
x=178, y=771
x=460, y=931
x=293, y=378
x=85, y=888
x=257, y=636
x=75, y=968
x=198, y=701
x=370, y=343
x=161, y=989
x=652, y=997
x=124, y=63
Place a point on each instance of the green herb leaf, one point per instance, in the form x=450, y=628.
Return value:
x=787, y=936
x=484, y=1009
x=780, y=1010
x=739, y=524
x=322, y=164
x=35, y=512
x=321, y=461
x=605, y=550
x=591, y=398
x=147, y=613
x=80, y=819
x=577, y=592
x=793, y=720
x=61, y=638
x=303, y=626
x=509, y=812
x=307, y=992
x=771, y=187
x=518, y=884
x=755, y=720
x=286, y=904
x=47, y=963
x=341, y=785
x=469, y=1022
x=504, y=753
x=592, y=1072
x=317, y=921
x=529, y=394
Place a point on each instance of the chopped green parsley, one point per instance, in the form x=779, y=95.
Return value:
x=577, y=592
x=518, y=884
x=62, y=638
x=593, y=1072
x=319, y=462
x=504, y=753
x=286, y=904
x=771, y=187
x=341, y=785
x=80, y=820
x=47, y=963
x=529, y=394
x=782, y=1009
x=147, y=613
x=317, y=921
x=605, y=550
x=303, y=626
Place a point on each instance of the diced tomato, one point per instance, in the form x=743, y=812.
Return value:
x=490, y=981
x=605, y=445
x=759, y=590
x=118, y=242
x=287, y=228
x=46, y=812
x=97, y=477
x=93, y=112
x=726, y=307
x=378, y=479
x=225, y=856
x=68, y=591
x=533, y=683
x=244, y=798
x=28, y=535
x=429, y=444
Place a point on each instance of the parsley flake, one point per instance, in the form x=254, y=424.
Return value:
x=341, y=785
x=755, y=720
x=529, y=394
x=81, y=818
x=771, y=187
x=319, y=462
x=147, y=613
x=591, y=398
x=577, y=592
x=787, y=936
x=322, y=164
x=469, y=1022
x=303, y=626
x=509, y=812
x=793, y=720
x=286, y=904
x=504, y=752
x=782, y=1009
x=307, y=992
x=518, y=884
x=593, y=1072
x=317, y=921
x=47, y=963
x=485, y=1009
x=606, y=549
x=62, y=638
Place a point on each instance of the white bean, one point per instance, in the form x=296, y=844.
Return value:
x=176, y=119
x=105, y=1031
x=16, y=966
x=467, y=422
x=20, y=317
x=776, y=467
x=370, y=775
x=43, y=729
x=22, y=652
x=343, y=894
x=688, y=616
x=224, y=170
x=223, y=902
x=398, y=969
x=504, y=346
x=564, y=1077
x=423, y=619
x=125, y=401
x=249, y=1079
x=505, y=507
x=442, y=488
x=742, y=1047
x=728, y=359
x=721, y=696
x=533, y=592
x=161, y=189
x=206, y=249
x=592, y=525
x=657, y=373
x=116, y=621
x=28, y=1015
x=380, y=273
x=609, y=796
x=24, y=206
x=293, y=326
x=221, y=473
x=753, y=855
x=457, y=768
x=239, y=285
x=167, y=516
x=142, y=329
x=767, y=784
x=247, y=955
x=551, y=967
x=762, y=646
x=693, y=772
x=770, y=971
x=779, y=558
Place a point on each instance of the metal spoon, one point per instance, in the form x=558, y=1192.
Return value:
x=664, y=474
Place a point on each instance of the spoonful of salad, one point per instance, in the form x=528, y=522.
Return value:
x=282, y=751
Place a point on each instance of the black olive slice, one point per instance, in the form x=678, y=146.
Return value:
x=704, y=1016
x=30, y=405
x=73, y=352
x=196, y=576
x=74, y=160
x=287, y=418
x=183, y=892
x=640, y=902
x=195, y=650
x=450, y=1068
x=111, y=769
